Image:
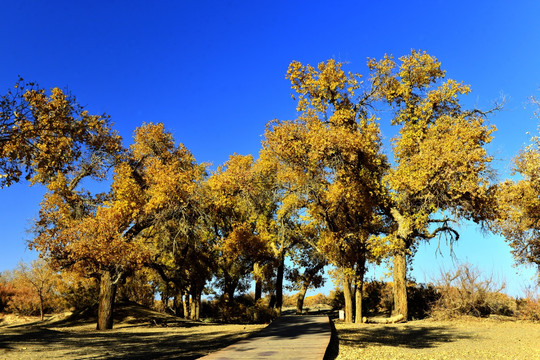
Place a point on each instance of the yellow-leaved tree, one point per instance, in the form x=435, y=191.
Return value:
x=330, y=167
x=238, y=245
x=519, y=207
x=441, y=169
x=43, y=135
x=109, y=235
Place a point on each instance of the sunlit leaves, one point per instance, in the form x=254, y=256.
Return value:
x=441, y=162
x=519, y=206
x=42, y=135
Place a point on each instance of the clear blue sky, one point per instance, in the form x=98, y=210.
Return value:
x=214, y=73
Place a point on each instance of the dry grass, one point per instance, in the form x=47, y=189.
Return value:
x=466, y=338
x=139, y=334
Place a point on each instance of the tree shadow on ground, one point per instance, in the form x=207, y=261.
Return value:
x=114, y=345
x=409, y=336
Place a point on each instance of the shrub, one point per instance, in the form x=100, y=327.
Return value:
x=336, y=299
x=528, y=308
x=6, y=293
x=421, y=298
x=467, y=292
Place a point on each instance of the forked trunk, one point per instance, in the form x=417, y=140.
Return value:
x=347, y=294
x=107, y=292
x=400, y=284
x=229, y=289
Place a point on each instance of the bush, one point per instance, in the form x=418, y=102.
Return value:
x=336, y=299
x=528, y=308
x=467, y=292
x=6, y=293
x=421, y=298
x=261, y=313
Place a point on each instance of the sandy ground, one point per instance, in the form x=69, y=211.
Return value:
x=143, y=334
x=428, y=339
x=139, y=337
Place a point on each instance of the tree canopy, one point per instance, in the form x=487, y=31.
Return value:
x=323, y=190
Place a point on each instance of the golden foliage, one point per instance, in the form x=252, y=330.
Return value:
x=519, y=206
x=42, y=135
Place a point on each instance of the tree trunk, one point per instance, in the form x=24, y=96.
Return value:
x=359, y=289
x=400, y=284
x=107, y=292
x=178, y=305
x=272, y=302
x=230, y=288
x=279, y=284
x=347, y=294
x=403, y=236
x=300, y=298
x=258, y=281
x=258, y=289
x=41, y=312
x=165, y=300
x=186, y=305
x=195, y=304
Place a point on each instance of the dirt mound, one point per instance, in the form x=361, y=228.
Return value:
x=127, y=314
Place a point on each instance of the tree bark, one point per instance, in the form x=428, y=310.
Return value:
x=359, y=289
x=178, y=305
x=400, y=284
x=347, y=294
x=258, y=281
x=186, y=305
x=403, y=238
x=41, y=306
x=300, y=298
x=279, y=284
x=258, y=289
x=107, y=292
x=195, y=304
x=229, y=289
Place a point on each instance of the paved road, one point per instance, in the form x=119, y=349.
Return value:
x=289, y=337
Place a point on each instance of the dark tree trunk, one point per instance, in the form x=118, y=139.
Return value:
x=400, y=284
x=272, y=302
x=165, y=300
x=186, y=305
x=195, y=304
x=230, y=288
x=258, y=281
x=41, y=306
x=107, y=292
x=300, y=298
x=359, y=288
x=258, y=289
x=279, y=284
x=178, y=305
x=347, y=294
